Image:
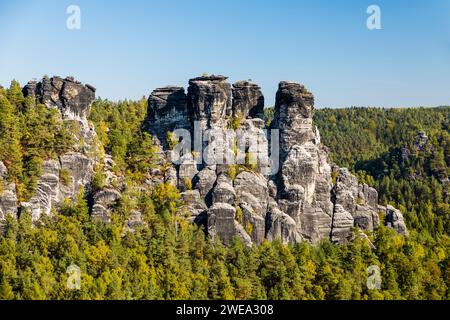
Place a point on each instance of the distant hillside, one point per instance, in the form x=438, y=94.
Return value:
x=404, y=153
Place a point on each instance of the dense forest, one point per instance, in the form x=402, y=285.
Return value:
x=403, y=152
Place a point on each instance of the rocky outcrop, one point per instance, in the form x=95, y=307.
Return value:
x=221, y=222
x=209, y=101
x=65, y=176
x=248, y=101
x=8, y=196
x=60, y=180
x=304, y=181
x=252, y=199
x=394, y=220
x=298, y=202
x=294, y=109
x=104, y=202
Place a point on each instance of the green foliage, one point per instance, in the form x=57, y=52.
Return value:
x=169, y=258
x=187, y=183
x=10, y=148
x=385, y=149
x=233, y=170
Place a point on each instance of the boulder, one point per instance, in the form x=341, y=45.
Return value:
x=369, y=195
x=254, y=224
x=204, y=181
x=194, y=204
x=251, y=189
x=248, y=101
x=281, y=226
x=221, y=222
x=186, y=172
x=394, y=220
x=104, y=202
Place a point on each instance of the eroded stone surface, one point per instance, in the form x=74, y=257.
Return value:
x=299, y=202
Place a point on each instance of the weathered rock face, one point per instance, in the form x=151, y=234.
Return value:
x=167, y=111
x=195, y=204
x=248, y=100
x=299, y=202
x=186, y=172
x=305, y=177
x=294, y=109
x=221, y=222
x=239, y=200
x=72, y=98
x=357, y=202
x=280, y=225
x=104, y=202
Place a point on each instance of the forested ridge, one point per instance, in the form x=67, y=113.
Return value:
x=403, y=153
x=169, y=258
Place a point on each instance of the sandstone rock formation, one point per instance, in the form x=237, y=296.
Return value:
x=247, y=198
x=8, y=196
x=394, y=219
x=209, y=101
x=167, y=111
x=298, y=202
x=248, y=100
x=304, y=181
x=72, y=99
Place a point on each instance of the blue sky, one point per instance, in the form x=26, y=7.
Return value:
x=126, y=49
